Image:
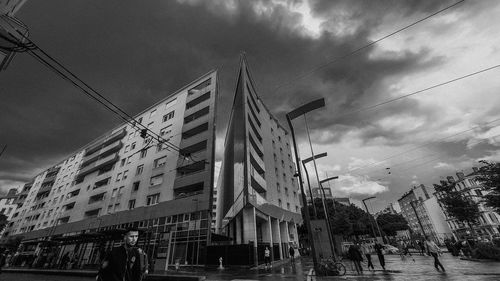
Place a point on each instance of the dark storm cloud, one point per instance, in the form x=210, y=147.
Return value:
x=137, y=52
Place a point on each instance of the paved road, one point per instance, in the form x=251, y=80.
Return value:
x=398, y=270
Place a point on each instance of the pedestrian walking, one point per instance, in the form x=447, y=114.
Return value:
x=267, y=257
x=291, y=251
x=126, y=262
x=367, y=251
x=434, y=250
x=421, y=247
x=379, y=250
x=356, y=257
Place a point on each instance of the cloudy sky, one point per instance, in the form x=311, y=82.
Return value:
x=136, y=52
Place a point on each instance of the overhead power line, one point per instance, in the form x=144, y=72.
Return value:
x=419, y=91
x=357, y=50
x=424, y=145
x=62, y=71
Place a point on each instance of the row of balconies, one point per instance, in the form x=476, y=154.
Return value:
x=98, y=164
x=103, y=152
x=105, y=142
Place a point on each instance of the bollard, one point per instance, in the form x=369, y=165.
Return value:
x=220, y=263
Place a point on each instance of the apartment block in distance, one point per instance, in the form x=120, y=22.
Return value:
x=488, y=223
x=161, y=183
x=257, y=194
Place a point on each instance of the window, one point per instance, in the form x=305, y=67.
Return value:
x=118, y=177
x=156, y=180
x=286, y=191
x=120, y=191
x=153, y=199
x=126, y=148
x=144, y=152
x=131, y=204
x=139, y=170
x=113, y=193
x=122, y=163
x=139, y=121
x=117, y=207
x=135, y=186
x=170, y=103
x=152, y=114
x=125, y=174
x=160, y=162
x=129, y=160
x=132, y=146
x=279, y=203
x=165, y=130
x=168, y=116
x=278, y=187
x=288, y=206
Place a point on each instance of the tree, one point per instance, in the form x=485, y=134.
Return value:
x=391, y=223
x=489, y=177
x=344, y=220
x=457, y=205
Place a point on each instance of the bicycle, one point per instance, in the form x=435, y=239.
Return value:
x=330, y=266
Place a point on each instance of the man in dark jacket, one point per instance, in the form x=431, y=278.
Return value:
x=124, y=263
x=356, y=257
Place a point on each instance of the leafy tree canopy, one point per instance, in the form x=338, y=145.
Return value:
x=489, y=177
x=391, y=223
x=456, y=204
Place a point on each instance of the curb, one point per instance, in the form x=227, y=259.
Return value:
x=93, y=273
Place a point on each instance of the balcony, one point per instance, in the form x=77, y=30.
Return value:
x=49, y=179
x=104, y=151
x=188, y=190
x=197, y=115
x=105, y=142
x=255, y=147
x=197, y=103
x=195, y=131
x=98, y=164
x=198, y=176
x=195, y=123
x=257, y=164
x=258, y=183
x=44, y=189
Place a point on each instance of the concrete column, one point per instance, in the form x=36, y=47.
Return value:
x=237, y=226
x=284, y=236
x=250, y=229
x=275, y=228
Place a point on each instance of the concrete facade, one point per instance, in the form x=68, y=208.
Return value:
x=413, y=210
x=258, y=200
x=122, y=178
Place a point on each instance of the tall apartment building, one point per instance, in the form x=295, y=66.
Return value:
x=392, y=208
x=161, y=182
x=258, y=198
x=489, y=221
x=414, y=211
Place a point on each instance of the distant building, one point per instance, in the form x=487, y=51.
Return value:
x=392, y=208
x=8, y=206
x=258, y=202
x=316, y=192
x=489, y=221
x=417, y=216
x=437, y=219
x=350, y=201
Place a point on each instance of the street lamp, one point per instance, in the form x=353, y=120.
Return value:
x=371, y=223
x=289, y=117
x=304, y=162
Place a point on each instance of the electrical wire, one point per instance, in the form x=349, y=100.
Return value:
x=426, y=144
x=357, y=50
x=108, y=104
